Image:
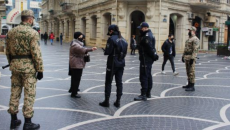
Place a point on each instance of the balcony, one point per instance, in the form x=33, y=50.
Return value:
x=67, y=7
x=205, y=4
x=2, y=8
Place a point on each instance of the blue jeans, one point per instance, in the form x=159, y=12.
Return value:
x=51, y=41
x=61, y=41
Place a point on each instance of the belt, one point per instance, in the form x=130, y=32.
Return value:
x=21, y=57
x=188, y=53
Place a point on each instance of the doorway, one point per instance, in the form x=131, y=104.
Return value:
x=137, y=17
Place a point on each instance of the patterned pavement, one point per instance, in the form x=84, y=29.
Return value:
x=170, y=108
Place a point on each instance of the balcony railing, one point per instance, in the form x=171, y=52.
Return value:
x=67, y=7
x=206, y=3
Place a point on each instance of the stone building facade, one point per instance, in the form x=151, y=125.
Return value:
x=2, y=11
x=92, y=17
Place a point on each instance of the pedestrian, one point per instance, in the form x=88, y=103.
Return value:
x=45, y=38
x=25, y=59
x=116, y=49
x=77, y=62
x=51, y=38
x=42, y=36
x=61, y=38
x=189, y=58
x=84, y=40
x=147, y=55
x=168, y=48
x=133, y=45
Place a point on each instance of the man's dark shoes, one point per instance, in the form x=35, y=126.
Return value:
x=15, y=123
x=28, y=125
x=31, y=126
x=75, y=96
x=186, y=86
x=117, y=104
x=140, y=98
x=191, y=87
x=104, y=104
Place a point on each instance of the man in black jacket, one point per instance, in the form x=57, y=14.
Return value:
x=147, y=55
x=116, y=49
x=168, y=49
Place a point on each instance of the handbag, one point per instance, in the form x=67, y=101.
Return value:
x=87, y=58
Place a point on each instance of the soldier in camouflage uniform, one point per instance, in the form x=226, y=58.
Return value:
x=189, y=58
x=25, y=59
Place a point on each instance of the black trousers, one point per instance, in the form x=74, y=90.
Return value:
x=118, y=72
x=75, y=80
x=171, y=59
x=133, y=51
x=146, y=78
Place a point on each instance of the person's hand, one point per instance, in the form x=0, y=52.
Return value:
x=39, y=75
x=191, y=61
x=182, y=59
x=94, y=48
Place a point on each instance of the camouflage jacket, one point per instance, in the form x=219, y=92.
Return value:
x=191, y=46
x=23, y=40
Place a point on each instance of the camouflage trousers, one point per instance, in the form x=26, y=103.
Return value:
x=18, y=81
x=190, y=69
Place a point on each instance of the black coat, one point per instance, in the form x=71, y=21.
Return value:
x=166, y=48
x=45, y=36
x=147, y=48
x=119, y=45
x=132, y=44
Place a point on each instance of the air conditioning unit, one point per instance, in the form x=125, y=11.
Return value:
x=209, y=32
x=191, y=16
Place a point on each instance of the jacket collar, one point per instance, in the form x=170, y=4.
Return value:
x=77, y=41
x=25, y=24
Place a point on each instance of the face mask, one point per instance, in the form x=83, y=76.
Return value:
x=80, y=39
x=190, y=34
x=172, y=39
x=141, y=32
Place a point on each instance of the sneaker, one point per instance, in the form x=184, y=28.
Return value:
x=163, y=72
x=175, y=73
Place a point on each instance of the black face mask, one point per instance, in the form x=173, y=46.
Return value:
x=80, y=39
x=190, y=34
x=172, y=39
x=141, y=32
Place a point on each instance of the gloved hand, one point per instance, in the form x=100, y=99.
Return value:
x=39, y=75
x=191, y=61
x=182, y=59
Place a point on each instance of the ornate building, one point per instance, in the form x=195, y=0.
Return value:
x=2, y=11
x=92, y=17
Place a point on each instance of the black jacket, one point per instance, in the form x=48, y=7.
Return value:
x=166, y=48
x=119, y=45
x=132, y=44
x=147, y=50
x=45, y=36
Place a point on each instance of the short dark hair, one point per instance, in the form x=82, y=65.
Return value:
x=170, y=35
x=25, y=18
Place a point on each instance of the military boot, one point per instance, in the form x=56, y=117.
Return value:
x=148, y=95
x=28, y=125
x=117, y=103
x=187, y=86
x=105, y=103
x=14, y=121
x=142, y=97
x=191, y=87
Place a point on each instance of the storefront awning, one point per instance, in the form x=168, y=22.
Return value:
x=227, y=22
x=14, y=17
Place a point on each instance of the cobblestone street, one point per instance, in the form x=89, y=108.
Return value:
x=170, y=108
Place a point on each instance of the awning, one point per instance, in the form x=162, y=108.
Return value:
x=14, y=17
x=227, y=22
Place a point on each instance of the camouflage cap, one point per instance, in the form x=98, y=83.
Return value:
x=192, y=28
x=27, y=13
